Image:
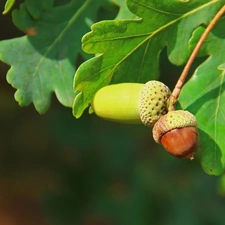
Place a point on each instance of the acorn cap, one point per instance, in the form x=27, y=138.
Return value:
x=153, y=102
x=173, y=120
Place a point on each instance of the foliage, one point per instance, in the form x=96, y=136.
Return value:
x=126, y=49
x=44, y=59
x=204, y=95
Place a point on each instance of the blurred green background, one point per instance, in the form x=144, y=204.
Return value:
x=55, y=169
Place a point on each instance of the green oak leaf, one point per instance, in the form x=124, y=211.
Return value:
x=204, y=95
x=43, y=61
x=129, y=50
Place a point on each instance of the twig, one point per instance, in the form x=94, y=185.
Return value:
x=177, y=89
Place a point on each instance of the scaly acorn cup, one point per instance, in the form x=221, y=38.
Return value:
x=153, y=102
x=177, y=132
x=132, y=103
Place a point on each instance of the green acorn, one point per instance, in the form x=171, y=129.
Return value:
x=132, y=103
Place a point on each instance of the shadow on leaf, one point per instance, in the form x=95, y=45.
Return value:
x=208, y=96
x=211, y=155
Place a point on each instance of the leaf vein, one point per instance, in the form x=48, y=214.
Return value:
x=157, y=10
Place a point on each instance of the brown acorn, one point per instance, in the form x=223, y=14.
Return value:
x=177, y=132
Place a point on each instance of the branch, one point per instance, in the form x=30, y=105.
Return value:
x=177, y=89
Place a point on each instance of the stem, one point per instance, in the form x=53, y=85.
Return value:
x=177, y=89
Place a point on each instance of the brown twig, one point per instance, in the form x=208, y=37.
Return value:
x=177, y=89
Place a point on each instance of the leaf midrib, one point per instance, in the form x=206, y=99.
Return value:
x=71, y=21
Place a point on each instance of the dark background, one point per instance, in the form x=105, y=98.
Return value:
x=55, y=169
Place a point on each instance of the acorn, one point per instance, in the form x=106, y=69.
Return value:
x=132, y=103
x=177, y=132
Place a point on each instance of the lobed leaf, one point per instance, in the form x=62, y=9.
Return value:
x=128, y=50
x=43, y=61
x=204, y=95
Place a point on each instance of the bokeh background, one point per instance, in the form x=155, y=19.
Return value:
x=55, y=169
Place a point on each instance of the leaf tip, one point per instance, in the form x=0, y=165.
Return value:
x=8, y=6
